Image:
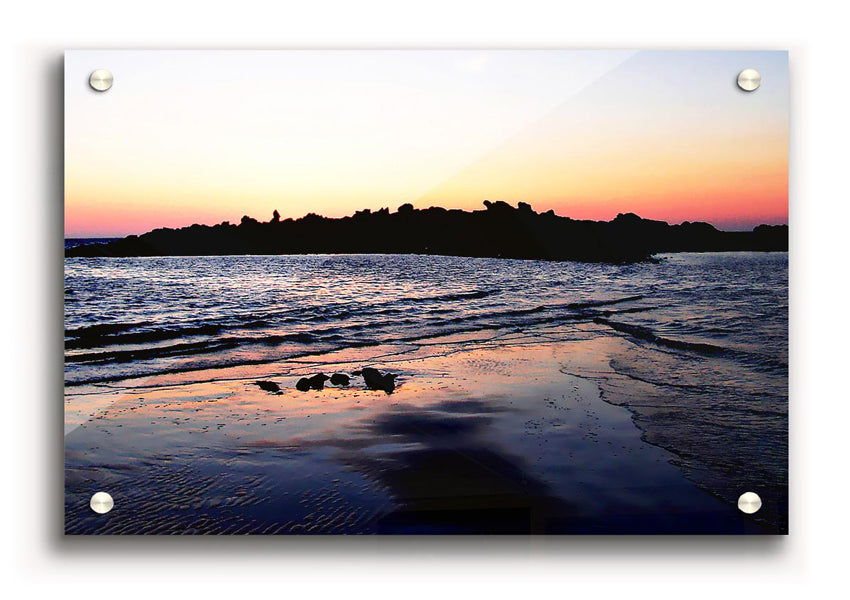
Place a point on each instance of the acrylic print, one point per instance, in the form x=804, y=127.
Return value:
x=426, y=292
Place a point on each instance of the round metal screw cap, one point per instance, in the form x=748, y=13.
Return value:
x=100, y=80
x=101, y=503
x=749, y=80
x=749, y=503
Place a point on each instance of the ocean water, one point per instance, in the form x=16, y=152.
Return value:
x=130, y=317
x=704, y=371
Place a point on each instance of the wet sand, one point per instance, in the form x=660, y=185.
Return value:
x=500, y=434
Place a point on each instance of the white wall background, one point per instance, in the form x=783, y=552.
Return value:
x=36, y=558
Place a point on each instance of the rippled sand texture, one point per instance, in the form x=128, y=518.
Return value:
x=485, y=436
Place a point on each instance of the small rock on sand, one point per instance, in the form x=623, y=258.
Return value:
x=340, y=379
x=375, y=380
x=268, y=386
x=315, y=382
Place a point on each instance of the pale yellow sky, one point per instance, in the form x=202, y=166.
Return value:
x=185, y=137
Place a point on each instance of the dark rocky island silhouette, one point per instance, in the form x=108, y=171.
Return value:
x=500, y=231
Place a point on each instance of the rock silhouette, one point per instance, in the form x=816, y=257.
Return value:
x=375, y=380
x=315, y=382
x=340, y=379
x=499, y=231
x=268, y=386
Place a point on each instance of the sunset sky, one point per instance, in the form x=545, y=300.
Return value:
x=204, y=137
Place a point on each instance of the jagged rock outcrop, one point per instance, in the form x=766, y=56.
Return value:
x=498, y=231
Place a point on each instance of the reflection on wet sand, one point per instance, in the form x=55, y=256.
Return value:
x=478, y=439
x=445, y=477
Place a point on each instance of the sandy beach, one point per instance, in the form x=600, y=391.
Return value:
x=490, y=432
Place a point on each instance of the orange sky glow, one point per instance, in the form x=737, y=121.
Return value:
x=666, y=135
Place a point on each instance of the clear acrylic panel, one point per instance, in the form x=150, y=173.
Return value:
x=426, y=292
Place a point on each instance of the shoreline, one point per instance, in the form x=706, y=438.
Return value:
x=495, y=429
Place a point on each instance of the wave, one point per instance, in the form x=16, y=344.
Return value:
x=646, y=334
x=376, y=330
x=101, y=329
x=140, y=337
x=119, y=356
x=597, y=303
x=105, y=334
x=704, y=348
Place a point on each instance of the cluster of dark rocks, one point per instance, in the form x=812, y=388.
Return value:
x=373, y=378
x=317, y=382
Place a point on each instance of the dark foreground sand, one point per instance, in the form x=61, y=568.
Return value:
x=484, y=434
